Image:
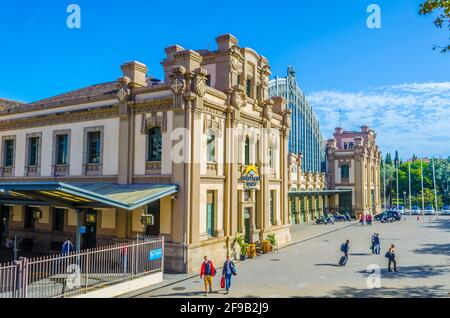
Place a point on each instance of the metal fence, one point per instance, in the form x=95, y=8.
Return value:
x=8, y=280
x=76, y=273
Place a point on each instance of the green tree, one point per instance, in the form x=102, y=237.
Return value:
x=442, y=21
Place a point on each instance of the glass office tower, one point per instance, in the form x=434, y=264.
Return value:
x=306, y=137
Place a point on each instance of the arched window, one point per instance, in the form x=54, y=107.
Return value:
x=211, y=147
x=247, y=151
x=345, y=171
x=154, y=144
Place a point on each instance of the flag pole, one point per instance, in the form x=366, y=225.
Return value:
x=409, y=186
x=435, y=193
x=423, y=199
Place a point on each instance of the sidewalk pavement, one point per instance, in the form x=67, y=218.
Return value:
x=299, y=233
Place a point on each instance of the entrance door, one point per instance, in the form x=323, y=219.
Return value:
x=293, y=211
x=154, y=209
x=90, y=237
x=345, y=202
x=247, y=212
x=4, y=224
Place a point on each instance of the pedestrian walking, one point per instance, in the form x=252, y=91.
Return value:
x=67, y=247
x=372, y=243
x=227, y=272
x=377, y=244
x=207, y=272
x=345, y=247
x=391, y=257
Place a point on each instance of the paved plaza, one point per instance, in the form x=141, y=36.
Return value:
x=309, y=267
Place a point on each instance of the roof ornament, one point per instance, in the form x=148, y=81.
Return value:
x=124, y=90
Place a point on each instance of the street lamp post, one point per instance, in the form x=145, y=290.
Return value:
x=404, y=200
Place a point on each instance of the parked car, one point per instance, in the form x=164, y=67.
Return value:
x=445, y=210
x=389, y=215
x=415, y=210
x=429, y=210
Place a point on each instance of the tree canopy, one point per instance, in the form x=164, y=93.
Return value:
x=442, y=21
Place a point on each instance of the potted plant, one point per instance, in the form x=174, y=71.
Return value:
x=272, y=240
x=242, y=246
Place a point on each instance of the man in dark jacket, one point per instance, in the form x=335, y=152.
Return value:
x=228, y=270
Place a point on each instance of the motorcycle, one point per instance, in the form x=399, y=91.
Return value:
x=347, y=217
x=385, y=219
x=339, y=217
x=330, y=219
x=321, y=220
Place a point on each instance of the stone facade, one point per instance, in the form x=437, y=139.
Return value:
x=354, y=163
x=215, y=122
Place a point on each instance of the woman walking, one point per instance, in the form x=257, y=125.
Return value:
x=228, y=270
x=391, y=256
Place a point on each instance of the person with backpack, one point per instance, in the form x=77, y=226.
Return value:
x=345, y=247
x=228, y=270
x=390, y=255
x=207, y=272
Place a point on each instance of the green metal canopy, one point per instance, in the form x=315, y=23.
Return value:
x=84, y=195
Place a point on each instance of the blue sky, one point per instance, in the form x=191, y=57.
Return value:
x=340, y=63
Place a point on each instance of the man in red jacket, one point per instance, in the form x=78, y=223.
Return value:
x=207, y=272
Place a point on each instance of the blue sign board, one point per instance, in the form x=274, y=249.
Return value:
x=82, y=230
x=155, y=254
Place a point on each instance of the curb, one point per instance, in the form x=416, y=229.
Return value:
x=132, y=295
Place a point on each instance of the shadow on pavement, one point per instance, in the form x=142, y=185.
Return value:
x=398, y=292
x=195, y=294
x=412, y=272
x=441, y=224
x=332, y=265
x=434, y=249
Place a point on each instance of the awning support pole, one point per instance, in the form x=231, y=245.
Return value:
x=78, y=236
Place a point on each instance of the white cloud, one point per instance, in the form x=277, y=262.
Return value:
x=413, y=118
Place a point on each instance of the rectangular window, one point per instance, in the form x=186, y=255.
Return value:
x=154, y=144
x=211, y=148
x=62, y=147
x=210, y=206
x=248, y=87
x=208, y=80
x=272, y=206
x=247, y=152
x=93, y=147
x=33, y=159
x=8, y=149
x=351, y=145
x=58, y=220
x=345, y=171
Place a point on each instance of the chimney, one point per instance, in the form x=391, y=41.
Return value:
x=137, y=72
x=225, y=42
x=338, y=130
x=364, y=129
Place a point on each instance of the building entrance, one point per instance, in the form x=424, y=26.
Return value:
x=247, y=214
x=154, y=209
x=90, y=237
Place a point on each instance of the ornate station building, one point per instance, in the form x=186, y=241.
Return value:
x=354, y=161
x=199, y=158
